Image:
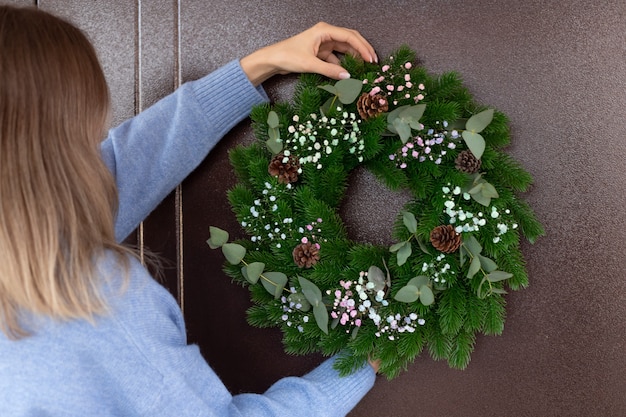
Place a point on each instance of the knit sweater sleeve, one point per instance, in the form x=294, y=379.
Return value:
x=150, y=154
x=320, y=393
x=188, y=386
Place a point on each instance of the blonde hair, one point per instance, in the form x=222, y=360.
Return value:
x=57, y=197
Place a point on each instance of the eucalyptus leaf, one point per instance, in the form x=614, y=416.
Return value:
x=355, y=331
x=217, y=237
x=412, y=115
x=478, y=122
x=490, y=191
x=496, y=276
x=474, y=267
x=272, y=119
x=300, y=302
x=487, y=264
x=392, y=116
x=376, y=276
x=253, y=271
x=330, y=88
x=395, y=113
x=407, y=294
x=310, y=291
x=233, y=252
x=274, y=283
x=462, y=255
x=348, y=89
x=419, y=281
x=472, y=245
x=481, y=293
x=409, y=221
x=476, y=189
x=397, y=246
x=273, y=133
x=321, y=317
x=403, y=129
x=404, y=253
x=475, y=142
x=481, y=199
x=426, y=295
x=274, y=145
x=326, y=107
x=388, y=280
x=422, y=246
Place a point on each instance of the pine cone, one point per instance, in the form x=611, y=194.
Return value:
x=467, y=162
x=285, y=168
x=305, y=255
x=371, y=106
x=445, y=239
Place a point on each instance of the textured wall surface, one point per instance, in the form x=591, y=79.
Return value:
x=557, y=69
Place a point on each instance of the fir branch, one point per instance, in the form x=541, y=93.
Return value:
x=448, y=87
x=451, y=308
x=530, y=226
x=461, y=349
x=475, y=313
x=401, y=55
x=388, y=174
x=514, y=263
x=494, y=315
x=307, y=98
x=258, y=115
x=347, y=363
x=439, y=344
x=257, y=316
x=509, y=173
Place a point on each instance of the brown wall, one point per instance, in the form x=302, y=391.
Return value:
x=557, y=69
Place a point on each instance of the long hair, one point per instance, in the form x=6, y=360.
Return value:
x=57, y=198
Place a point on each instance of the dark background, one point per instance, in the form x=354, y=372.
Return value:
x=556, y=68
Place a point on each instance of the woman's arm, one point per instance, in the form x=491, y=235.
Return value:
x=153, y=152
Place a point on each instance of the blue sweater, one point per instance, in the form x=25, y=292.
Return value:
x=135, y=361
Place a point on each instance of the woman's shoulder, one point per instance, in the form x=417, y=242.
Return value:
x=135, y=298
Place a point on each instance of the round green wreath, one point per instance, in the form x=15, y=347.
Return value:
x=458, y=239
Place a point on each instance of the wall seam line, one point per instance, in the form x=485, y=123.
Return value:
x=179, y=189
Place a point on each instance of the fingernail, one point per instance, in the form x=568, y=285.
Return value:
x=344, y=75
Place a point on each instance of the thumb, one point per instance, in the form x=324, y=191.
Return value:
x=334, y=71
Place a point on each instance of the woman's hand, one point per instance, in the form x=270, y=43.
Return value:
x=375, y=364
x=310, y=51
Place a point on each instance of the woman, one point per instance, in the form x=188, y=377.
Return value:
x=85, y=330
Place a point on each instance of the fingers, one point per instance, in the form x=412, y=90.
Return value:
x=310, y=51
x=332, y=59
x=346, y=40
x=331, y=70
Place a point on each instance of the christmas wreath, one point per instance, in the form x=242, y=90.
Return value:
x=457, y=249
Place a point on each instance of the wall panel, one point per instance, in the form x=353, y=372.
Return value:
x=111, y=26
x=157, y=76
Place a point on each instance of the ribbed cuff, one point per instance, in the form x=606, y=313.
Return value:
x=236, y=93
x=343, y=393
